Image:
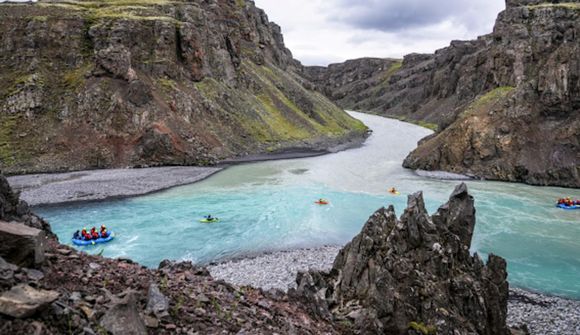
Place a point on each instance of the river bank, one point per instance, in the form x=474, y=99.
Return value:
x=543, y=314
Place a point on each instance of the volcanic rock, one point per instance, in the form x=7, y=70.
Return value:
x=23, y=301
x=413, y=274
x=21, y=245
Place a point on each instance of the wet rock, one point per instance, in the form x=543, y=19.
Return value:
x=157, y=303
x=389, y=279
x=21, y=245
x=123, y=318
x=23, y=301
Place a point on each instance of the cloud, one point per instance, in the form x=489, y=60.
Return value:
x=319, y=32
x=397, y=15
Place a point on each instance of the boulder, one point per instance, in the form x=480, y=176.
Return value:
x=21, y=245
x=23, y=301
x=6, y=273
x=413, y=274
x=123, y=317
x=157, y=303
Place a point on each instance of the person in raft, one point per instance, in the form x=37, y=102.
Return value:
x=94, y=234
x=84, y=235
x=104, y=232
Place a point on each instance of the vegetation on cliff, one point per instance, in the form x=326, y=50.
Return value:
x=94, y=84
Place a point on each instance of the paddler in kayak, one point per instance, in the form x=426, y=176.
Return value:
x=393, y=190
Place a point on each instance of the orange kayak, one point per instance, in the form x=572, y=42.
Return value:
x=321, y=202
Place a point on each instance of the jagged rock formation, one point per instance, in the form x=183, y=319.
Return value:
x=507, y=103
x=413, y=276
x=89, y=84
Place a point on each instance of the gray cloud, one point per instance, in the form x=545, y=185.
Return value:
x=397, y=15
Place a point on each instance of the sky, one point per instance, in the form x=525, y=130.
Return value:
x=320, y=32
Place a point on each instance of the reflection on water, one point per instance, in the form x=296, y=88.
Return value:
x=270, y=206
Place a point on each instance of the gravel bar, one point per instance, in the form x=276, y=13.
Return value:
x=56, y=188
x=543, y=315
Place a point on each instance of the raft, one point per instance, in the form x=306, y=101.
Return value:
x=93, y=242
x=563, y=206
x=209, y=221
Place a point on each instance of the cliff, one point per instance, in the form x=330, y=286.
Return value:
x=87, y=84
x=506, y=104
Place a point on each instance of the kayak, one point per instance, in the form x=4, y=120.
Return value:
x=321, y=202
x=93, y=242
x=209, y=221
x=567, y=207
x=395, y=193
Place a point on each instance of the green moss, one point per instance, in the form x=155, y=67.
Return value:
x=40, y=18
x=168, y=84
x=569, y=5
x=490, y=97
x=428, y=125
x=75, y=78
x=422, y=328
x=7, y=153
x=420, y=123
x=241, y=3
x=392, y=70
x=116, y=9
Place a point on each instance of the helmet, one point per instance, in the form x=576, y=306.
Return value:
x=103, y=226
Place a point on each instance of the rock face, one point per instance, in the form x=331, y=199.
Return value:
x=123, y=317
x=12, y=209
x=413, y=276
x=162, y=83
x=506, y=104
x=21, y=245
x=24, y=301
x=353, y=84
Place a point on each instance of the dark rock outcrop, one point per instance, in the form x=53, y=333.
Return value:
x=413, y=276
x=23, y=301
x=507, y=103
x=85, y=85
x=123, y=317
x=12, y=209
x=21, y=245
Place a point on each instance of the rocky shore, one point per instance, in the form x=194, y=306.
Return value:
x=46, y=189
x=543, y=314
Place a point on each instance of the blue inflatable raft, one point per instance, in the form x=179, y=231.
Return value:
x=93, y=242
x=568, y=207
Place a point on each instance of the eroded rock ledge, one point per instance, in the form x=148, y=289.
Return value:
x=413, y=275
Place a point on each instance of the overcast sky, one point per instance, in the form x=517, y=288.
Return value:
x=319, y=32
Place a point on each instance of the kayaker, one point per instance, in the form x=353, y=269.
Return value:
x=104, y=232
x=209, y=218
x=392, y=190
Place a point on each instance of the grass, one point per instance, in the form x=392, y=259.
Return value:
x=422, y=328
x=7, y=152
x=420, y=123
x=75, y=78
x=490, y=97
x=569, y=5
x=168, y=84
x=115, y=9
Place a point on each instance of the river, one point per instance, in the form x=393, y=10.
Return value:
x=269, y=206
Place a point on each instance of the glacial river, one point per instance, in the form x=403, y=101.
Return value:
x=269, y=206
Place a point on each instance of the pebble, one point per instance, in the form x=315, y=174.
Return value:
x=544, y=315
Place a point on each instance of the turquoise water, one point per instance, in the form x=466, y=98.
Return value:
x=269, y=206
